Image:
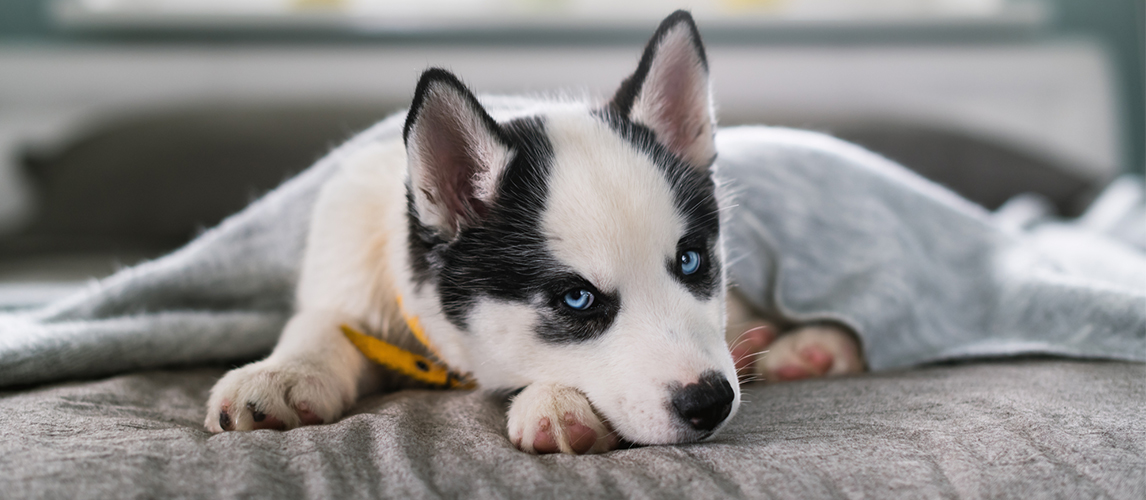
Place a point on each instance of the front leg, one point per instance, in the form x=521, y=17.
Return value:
x=312, y=377
x=811, y=351
x=762, y=352
x=550, y=418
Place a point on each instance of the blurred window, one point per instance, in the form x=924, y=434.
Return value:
x=412, y=15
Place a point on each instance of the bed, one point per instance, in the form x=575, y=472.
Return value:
x=1028, y=427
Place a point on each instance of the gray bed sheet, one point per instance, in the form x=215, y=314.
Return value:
x=1035, y=428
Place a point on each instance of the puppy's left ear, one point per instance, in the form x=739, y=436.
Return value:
x=669, y=92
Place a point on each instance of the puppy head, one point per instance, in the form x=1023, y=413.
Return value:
x=580, y=245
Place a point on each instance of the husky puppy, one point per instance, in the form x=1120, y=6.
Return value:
x=572, y=251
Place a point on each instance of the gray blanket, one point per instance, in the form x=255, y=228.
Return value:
x=1031, y=429
x=821, y=230
x=827, y=230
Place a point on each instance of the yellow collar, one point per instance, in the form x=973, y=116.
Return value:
x=412, y=365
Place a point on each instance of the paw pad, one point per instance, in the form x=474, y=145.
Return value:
x=547, y=418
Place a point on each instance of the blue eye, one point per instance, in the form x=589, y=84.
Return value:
x=580, y=299
x=689, y=262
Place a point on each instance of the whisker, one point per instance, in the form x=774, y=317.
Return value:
x=742, y=334
x=736, y=341
x=750, y=330
x=735, y=259
x=737, y=344
x=740, y=339
x=757, y=353
x=610, y=434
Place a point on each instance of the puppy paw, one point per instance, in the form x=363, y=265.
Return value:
x=811, y=351
x=277, y=395
x=549, y=418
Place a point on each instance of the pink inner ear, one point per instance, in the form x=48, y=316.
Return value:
x=453, y=165
x=674, y=99
x=446, y=129
x=680, y=116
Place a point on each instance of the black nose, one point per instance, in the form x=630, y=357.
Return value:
x=705, y=404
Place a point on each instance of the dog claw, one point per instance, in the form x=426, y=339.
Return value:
x=544, y=442
x=307, y=416
x=268, y=401
x=225, y=421
x=256, y=415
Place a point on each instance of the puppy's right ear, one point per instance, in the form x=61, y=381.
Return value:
x=669, y=92
x=455, y=151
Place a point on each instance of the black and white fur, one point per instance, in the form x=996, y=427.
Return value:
x=480, y=226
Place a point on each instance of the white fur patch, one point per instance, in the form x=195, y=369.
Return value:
x=611, y=218
x=610, y=213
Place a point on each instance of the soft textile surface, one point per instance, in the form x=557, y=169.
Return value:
x=821, y=230
x=826, y=230
x=1026, y=429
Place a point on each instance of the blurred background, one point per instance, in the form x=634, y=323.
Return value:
x=128, y=126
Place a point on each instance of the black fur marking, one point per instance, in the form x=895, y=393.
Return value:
x=694, y=194
x=630, y=88
x=256, y=415
x=505, y=256
x=567, y=324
